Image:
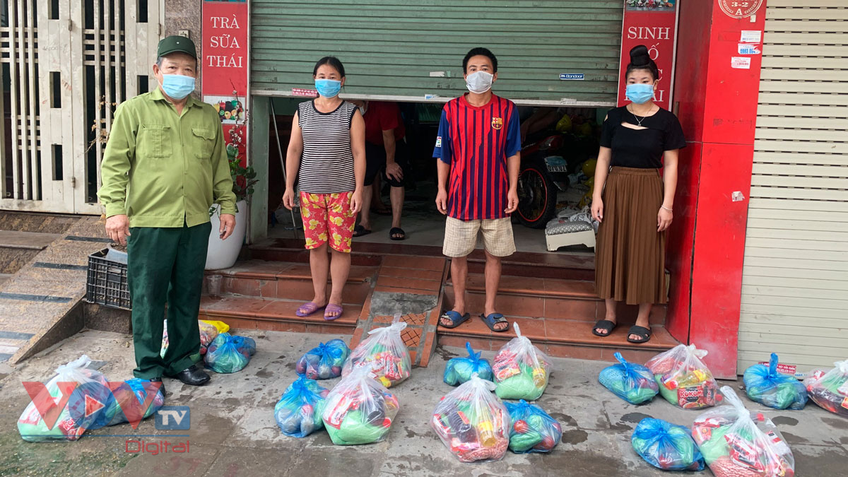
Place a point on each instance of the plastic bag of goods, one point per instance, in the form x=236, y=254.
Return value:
x=208, y=332
x=829, y=389
x=531, y=428
x=229, y=353
x=459, y=370
x=773, y=389
x=386, y=352
x=683, y=379
x=738, y=443
x=298, y=412
x=77, y=385
x=472, y=422
x=148, y=395
x=632, y=382
x=521, y=369
x=666, y=446
x=325, y=361
x=359, y=410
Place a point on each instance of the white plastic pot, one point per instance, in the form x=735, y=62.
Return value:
x=224, y=253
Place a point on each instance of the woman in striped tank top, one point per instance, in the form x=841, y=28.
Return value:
x=327, y=147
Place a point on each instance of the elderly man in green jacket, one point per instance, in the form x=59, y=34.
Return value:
x=165, y=164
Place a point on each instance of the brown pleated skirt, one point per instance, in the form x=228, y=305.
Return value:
x=630, y=253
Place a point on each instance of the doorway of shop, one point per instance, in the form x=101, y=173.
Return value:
x=559, y=147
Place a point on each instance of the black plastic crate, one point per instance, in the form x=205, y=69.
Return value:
x=107, y=279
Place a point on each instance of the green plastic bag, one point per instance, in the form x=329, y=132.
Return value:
x=359, y=410
x=735, y=441
x=521, y=369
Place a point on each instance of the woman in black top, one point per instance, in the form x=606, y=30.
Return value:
x=633, y=201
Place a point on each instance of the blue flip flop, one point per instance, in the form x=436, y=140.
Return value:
x=493, y=319
x=455, y=318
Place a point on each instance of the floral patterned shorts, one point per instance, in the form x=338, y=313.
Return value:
x=327, y=218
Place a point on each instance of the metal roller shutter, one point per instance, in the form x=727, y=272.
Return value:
x=795, y=277
x=399, y=49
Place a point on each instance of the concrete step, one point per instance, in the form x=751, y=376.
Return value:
x=548, y=298
x=36, y=222
x=561, y=338
x=288, y=280
x=275, y=315
x=570, y=266
x=19, y=248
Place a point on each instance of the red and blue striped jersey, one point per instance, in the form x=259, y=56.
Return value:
x=476, y=142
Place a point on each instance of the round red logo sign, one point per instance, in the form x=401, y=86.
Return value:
x=740, y=8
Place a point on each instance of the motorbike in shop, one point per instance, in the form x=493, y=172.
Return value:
x=545, y=168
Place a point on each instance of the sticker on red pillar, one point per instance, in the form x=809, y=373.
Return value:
x=746, y=49
x=224, y=48
x=751, y=36
x=740, y=63
x=740, y=8
x=650, y=23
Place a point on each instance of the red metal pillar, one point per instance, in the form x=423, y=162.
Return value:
x=716, y=91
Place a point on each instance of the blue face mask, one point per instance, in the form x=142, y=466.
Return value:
x=640, y=93
x=328, y=88
x=177, y=86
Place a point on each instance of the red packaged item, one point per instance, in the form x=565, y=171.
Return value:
x=829, y=389
x=472, y=422
x=737, y=443
x=684, y=380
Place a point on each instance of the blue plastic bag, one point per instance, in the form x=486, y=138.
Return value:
x=666, y=446
x=531, y=429
x=298, y=412
x=229, y=353
x=780, y=391
x=632, y=382
x=325, y=361
x=459, y=370
x=139, y=388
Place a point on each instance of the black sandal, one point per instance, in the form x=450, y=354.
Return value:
x=643, y=333
x=397, y=233
x=360, y=231
x=605, y=325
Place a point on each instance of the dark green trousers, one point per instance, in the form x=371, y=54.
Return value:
x=165, y=266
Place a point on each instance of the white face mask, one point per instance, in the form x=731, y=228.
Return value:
x=479, y=82
x=363, y=109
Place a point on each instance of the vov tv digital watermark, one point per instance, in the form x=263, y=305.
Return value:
x=92, y=405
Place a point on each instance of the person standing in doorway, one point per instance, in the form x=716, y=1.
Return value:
x=633, y=201
x=327, y=147
x=478, y=147
x=164, y=166
x=385, y=153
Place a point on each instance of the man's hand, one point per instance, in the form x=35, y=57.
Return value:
x=394, y=171
x=228, y=224
x=512, y=201
x=118, y=228
x=442, y=201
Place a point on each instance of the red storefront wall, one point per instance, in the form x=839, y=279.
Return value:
x=717, y=106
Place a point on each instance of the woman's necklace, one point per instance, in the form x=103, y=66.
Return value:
x=639, y=119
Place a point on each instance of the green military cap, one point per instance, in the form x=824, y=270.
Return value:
x=177, y=44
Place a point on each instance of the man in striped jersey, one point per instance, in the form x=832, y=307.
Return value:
x=478, y=148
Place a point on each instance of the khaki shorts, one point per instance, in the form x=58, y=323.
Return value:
x=461, y=237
